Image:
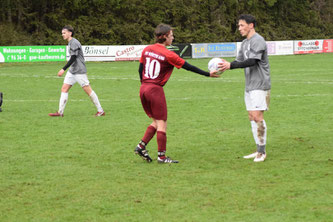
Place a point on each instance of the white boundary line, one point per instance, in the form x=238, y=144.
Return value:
x=222, y=79
x=181, y=98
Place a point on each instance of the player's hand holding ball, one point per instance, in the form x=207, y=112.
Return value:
x=213, y=66
x=214, y=74
x=224, y=65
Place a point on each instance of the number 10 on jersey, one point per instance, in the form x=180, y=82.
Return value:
x=153, y=68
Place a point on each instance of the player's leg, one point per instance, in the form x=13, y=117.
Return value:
x=161, y=142
x=161, y=138
x=62, y=101
x=149, y=134
x=140, y=149
x=258, y=117
x=256, y=103
x=82, y=79
x=250, y=106
x=69, y=81
x=64, y=97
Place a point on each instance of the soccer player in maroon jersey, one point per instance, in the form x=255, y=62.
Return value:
x=156, y=66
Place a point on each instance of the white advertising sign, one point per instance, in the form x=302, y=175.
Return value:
x=128, y=52
x=276, y=47
x=98, y=53
x=308, y=46
x=111, y=52
x=280, y=47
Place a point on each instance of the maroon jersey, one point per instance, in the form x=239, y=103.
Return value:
x=158, y=63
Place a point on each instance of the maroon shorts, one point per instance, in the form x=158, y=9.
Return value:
x=153, y=101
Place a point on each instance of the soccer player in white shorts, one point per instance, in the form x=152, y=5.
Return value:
x=253, y=57
x=76, y=73
x=81, y=79
x=257, y=100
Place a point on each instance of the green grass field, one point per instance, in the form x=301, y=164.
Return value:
x=82, y=168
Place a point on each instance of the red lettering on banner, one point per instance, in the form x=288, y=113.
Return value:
x=125, y=51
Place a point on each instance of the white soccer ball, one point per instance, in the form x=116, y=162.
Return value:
x=213, y=65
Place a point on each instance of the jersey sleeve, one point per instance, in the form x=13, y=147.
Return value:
x=257, y=49
x=175, y=60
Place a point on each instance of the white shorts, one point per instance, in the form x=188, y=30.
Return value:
x=81, y=79
x=257, y=100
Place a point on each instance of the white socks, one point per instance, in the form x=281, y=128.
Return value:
x=254, y=127
x=259, y=131
x=94, y=99
x=64, y=99
x=62, y=102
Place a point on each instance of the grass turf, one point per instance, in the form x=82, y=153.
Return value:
x=82, y=168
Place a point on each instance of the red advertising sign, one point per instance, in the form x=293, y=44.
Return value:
x=328, y=45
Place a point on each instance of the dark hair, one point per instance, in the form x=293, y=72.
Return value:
x=248, y=19
x=160, y=31
x=69, y=28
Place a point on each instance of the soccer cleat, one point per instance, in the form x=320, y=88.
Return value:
x=251, y=156
x=100, y=113
x=260, y=157
x=143, y=153
x=56, y=114
x=166, y=160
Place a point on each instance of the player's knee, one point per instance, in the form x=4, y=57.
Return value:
x=65, y=88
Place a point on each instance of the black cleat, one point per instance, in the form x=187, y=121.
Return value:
x=167, y=160
x=143, y=153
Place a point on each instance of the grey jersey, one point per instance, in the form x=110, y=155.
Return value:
x=79, y=66
x=257, y=77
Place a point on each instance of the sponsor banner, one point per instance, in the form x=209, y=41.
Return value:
x=32, y=53
x=284, y=48
x=238, y=47
x=208, y=50
x=183, y=50
x=128, y=52
x=280, y=47
x=308, y=46
x=111, y=52
x=271, y=48
x=276, y=47
x=97, y=53
x=328, y=45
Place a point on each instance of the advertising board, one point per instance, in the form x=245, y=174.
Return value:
x=32, y=53
x=308, y=46
x=208, y=50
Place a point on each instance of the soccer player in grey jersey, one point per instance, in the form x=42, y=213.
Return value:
x=253, y=58
x=76, y=73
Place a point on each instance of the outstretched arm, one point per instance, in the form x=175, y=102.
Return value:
x=195, y=69
x=236, y=64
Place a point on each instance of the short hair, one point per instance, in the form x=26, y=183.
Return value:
x=160, y=31
x=69, y=28
x=248, y=19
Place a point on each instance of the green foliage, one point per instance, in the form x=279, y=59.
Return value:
x=133, y=21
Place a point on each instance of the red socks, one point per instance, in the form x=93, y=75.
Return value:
x=161, y=143
x=161, y=140
x=149, y=134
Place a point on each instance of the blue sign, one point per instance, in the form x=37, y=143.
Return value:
x=208, y=50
